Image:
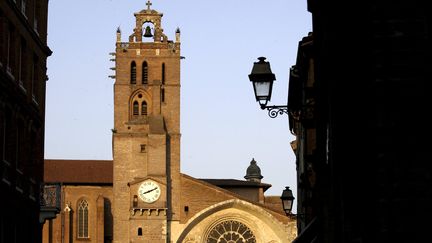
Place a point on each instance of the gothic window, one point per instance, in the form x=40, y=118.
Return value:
x=135, y=108
x=138, y=107
x=133, y=73
x=231, y=231
x=144, y=108
x=144, y=73
x=83, y=227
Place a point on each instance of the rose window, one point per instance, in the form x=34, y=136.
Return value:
x=231, y=231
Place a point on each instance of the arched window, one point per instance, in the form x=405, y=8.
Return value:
x=144, y=108
x=144, y=73
x=83, y=226
x=139, y=107
x=135, y=108
x=133, y=73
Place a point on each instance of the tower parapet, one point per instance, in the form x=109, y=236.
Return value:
x=148, y=31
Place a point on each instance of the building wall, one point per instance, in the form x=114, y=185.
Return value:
x=64, y=227
x=372, y=181
x=23, y=54
x=275, y=203
x=253, y=194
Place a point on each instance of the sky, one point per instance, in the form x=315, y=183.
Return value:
x=222, y=126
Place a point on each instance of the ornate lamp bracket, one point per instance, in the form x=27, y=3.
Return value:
x=275, y=110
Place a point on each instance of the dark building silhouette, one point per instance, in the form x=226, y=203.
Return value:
x=23, y=54
x=358, y=104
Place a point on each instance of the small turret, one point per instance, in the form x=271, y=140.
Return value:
x=253, y=172
x=118, y=34
x=177, y=34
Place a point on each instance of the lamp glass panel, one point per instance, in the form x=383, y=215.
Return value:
x=287, y=204
x=262, y=90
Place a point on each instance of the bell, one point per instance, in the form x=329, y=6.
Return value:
x=148, y=32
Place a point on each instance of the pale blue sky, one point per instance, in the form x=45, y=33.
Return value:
x=221, y=124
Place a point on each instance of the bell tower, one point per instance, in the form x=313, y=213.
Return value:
x=146, y=134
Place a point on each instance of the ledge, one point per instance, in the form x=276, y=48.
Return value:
x=148, y=211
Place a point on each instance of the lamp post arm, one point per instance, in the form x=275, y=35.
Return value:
x=275, y=110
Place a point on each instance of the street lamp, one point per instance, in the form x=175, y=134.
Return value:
x=262, y=80
x=287, y=200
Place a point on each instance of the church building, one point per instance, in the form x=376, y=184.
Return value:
x=141, y=195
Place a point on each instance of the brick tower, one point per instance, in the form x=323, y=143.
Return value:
x=146, y=134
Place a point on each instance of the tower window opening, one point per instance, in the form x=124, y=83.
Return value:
x=143, y=148
x=163, y=83
x=163, y=73
x=139, y=231
x=135, y=201
x=144, y=73
x=133, y=73
x=144, y=108
x=135, y=108
x=138, y=107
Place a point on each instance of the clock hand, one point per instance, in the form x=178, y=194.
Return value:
x=149, y=190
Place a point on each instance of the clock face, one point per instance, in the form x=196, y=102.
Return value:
x=149, y=191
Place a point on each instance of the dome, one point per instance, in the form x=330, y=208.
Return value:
x=253, y=172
